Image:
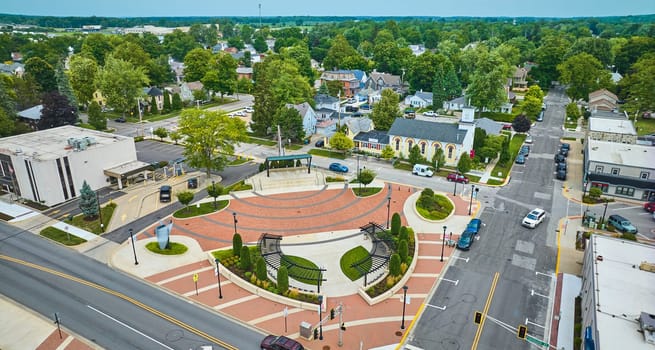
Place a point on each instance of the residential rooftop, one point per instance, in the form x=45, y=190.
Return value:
x=619, y=126
x=623, y=291
x=621, y=153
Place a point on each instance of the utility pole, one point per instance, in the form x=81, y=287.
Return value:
x=260, y=16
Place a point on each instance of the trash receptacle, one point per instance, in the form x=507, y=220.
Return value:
x=306, y=330
x=192, y=182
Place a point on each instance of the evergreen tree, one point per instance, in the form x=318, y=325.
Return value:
x=64, y=86
x=394, y=265
x=236, y=244
x=88, y=201
x=96, y=119
x=415, y=156
x=167, y=102
x=404, y=234
x=438, y=159
x=395, y=223
x=245, y=259
x=177, y=102
x=153, y=105
x=260, y=270
x=323, y=90
x=386, y=111
x=403, y=250
x=464, y=164
x=282, y=279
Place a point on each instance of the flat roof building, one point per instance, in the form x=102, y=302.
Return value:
x=618, y=286
x=50, y=166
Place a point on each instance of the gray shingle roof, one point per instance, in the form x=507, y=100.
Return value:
x=427, y=96
x=492, y=127
x=322, y=98
x=381, y=136
x=33, y=113
x=425, y=130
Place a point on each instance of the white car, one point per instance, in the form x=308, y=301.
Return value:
x=249, y=110
x=528, y=139
x=534, y=218
x=430, y=114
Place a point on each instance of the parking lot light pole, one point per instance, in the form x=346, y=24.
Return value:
x=402, y=323
x=320, y=317
x=218, y=278
x=388, y=207
x=234, y=216
x=136, y=262
x=214, y=191
x=476, y=189
x=604, y=212
x=443, y=242
x=455, y=188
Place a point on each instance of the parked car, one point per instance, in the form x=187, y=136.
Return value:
x=422, y=170
x=566, y=146
x=534, y=218
x=320, y=143
x=525, y=150
x=564, y=152
x=559, y=158
x=120, y=120
x=457, y=178
x=249, y=109
x=430, y=114
x=274, y=342
x=540, y=117
x=338, y=167
x=192, y=183
x=474, y=225
x=507, y=127
x=165, y=193
x=621, y=224
x=465, y=240
x=528, y=139
x=560, y=166
x=649, y=207
x=520, y=159
x=352, y=108
x=561, y=175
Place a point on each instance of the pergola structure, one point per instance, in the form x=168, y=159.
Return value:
x=292, y=157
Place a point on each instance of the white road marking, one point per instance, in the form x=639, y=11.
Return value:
x=128, y=327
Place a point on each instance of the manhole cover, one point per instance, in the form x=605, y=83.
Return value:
x=399, y=333
x=326, y=347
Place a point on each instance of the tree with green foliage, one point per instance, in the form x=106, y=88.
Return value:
x=209, y=137
x=583, y=74
x=290, y=122
x=487, y=88
x=300, y=54
x=88, y=202
x=600, y=48
x=365, y=177
x=237, y=244
x=176, y=105
x=96, y=119
x=159, y=71
x=531, y=106
x=63, y=85
x=282, y=280
x=403, y=235
x=226, y=68
x=42, y=72
x=196, y=64
x=535, y=92
x=160, y=132
x=121, y=83
x=415, y=156
x=386, y=110
x=341, y=55
x=260, y=44
x=387, y=152
x=548, y=56
x=395, y=223
x=595, y=193
x=57, y=111
x=244, y=85
x=260, y=269
x=167, y=102
x=631, y=51
x=394, y=265
x=185, y=197
x=245, y=261
x=7, y=124
x=97, y=46
x=341, y=142
x=153, y=106
x=403, y=251
x=178, y=44
x=464, y=164
x=205, y=35
x=438, y=159
x=521, y=123
x=640, y=85
x=133, y=53
x=572, y=111
x=478, y=139
x=214, y=191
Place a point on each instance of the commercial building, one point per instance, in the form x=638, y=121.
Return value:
x=50, y=166
x=618, y=294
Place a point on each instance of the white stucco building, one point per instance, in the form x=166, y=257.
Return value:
x=50, y=166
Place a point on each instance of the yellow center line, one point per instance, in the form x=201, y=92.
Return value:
x=124, y=297
x=484, y=312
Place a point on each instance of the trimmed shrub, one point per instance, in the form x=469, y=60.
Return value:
x=403, y=250
x=236, y=244
x=261, y=268
x=395, y=224
x=245, y=259
x=282, y=279
x=404, y=234
x=394, y=265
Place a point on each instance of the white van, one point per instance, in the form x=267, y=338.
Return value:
x=422, y=170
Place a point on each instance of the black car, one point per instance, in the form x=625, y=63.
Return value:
x=560, y=166
x=559, y=158
x=272, y=342
x=564, y=152
x=561, y=175
x=192, y=182
x=120, y=120
x=565, y=146
x=320, y=143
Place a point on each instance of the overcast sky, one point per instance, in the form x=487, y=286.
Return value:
x=440, y=8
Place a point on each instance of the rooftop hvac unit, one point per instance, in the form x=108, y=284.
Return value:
x=71, y=141
x=90, y=140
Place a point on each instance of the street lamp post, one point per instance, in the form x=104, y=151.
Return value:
x=443, y=242
x=604, y=211
x=359, y=175
x=234, y=216
x=136, y=262
x=320, y=317
x=402, y=324
x=218, y=278
x=455, y=188
x=388, y=207
x=214, y=192
x=476, y=189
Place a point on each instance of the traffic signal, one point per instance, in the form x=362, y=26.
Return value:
x=522, y=332
x=315, y=333
x=332, y=314
x=343, y=326
x=477, y=319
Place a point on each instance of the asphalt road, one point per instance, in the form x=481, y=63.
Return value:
x=107, y=307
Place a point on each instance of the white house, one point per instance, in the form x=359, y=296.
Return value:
x=326, y=102
x=455, y=104
x=419, y=100
x=187, y=89
x=308, y=117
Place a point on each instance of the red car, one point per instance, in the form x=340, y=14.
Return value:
x=507, y=127
x=458, y=178
x=274, y=342
x=649, y=207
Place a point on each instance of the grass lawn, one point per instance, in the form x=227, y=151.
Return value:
x=445, y=207
x=352, y=256
x=238, y=161
x=308, y=276
x=223, y=254
x=176, y=248
x=365, y=191
x=334, y=179
x=60, y=236
x=402, y=165
x=645, y=126
x=327, y=153
x=94, y=225
x=494, y=182
x=239, y=186
x=293, y=147
x=205, y=208
x=514, y=146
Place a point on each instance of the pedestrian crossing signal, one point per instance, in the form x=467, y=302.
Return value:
x=332, y=314
x=522, y=332
x=315, y=333
x=477, y=319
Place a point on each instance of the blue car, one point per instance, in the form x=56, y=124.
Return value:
x=338, y=167
x=520, y=159
x=465, y=240
x=474, y=226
